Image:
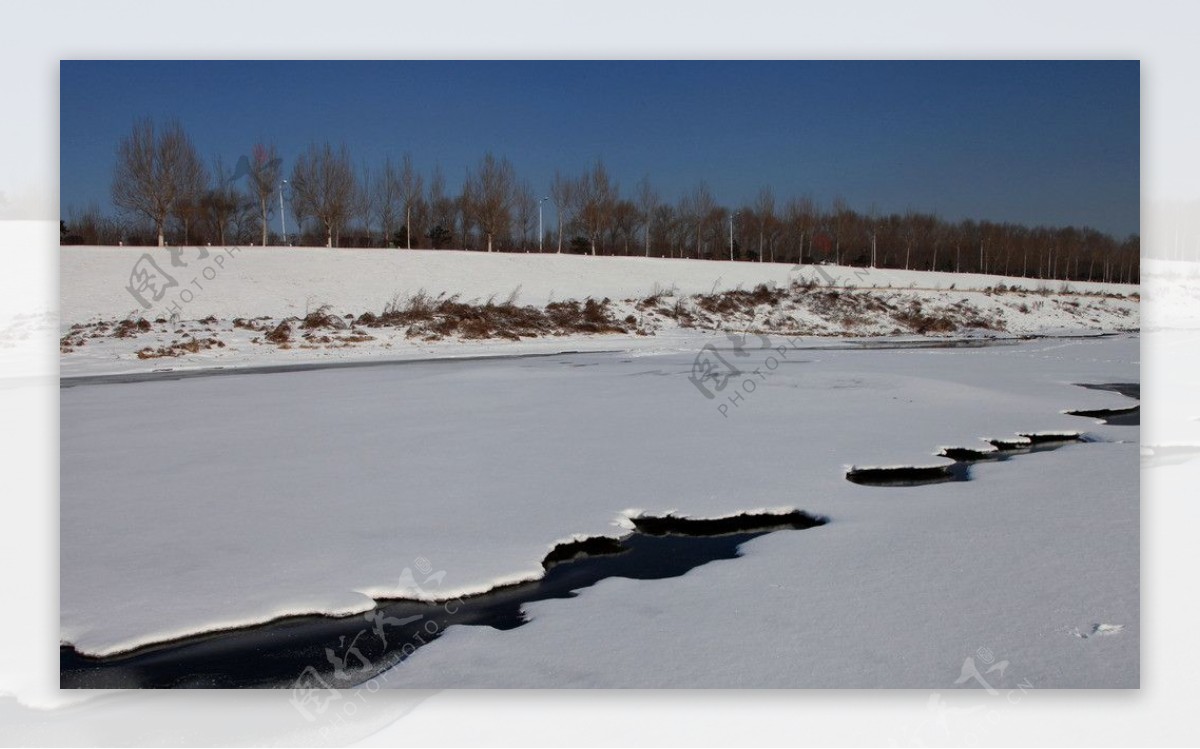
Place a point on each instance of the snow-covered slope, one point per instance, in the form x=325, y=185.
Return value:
x=220, y=317
x=283, y=281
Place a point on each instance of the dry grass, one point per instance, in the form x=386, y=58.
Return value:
x=179, y=348
x=741, y=301
x=129, y=328
x=281, y=334
x=433, y=318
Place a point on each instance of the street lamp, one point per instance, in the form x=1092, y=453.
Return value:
x=541, y=234
x=282, y=221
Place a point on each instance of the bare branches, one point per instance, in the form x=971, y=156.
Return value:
x=387, y=202
x=221, y=202
x=525, y=207
x=488, y=195
x=156, y=173
x=597, y=196
x=264, y=169
x=409, y=187
x=698, y=206
x=648, y=202
x=562, y=194
x=161, y=183
x=323, y=187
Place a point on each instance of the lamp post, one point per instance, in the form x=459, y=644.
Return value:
x=541, y=235
x=282, y=221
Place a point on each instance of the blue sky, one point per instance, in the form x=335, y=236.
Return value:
x=1030, y=142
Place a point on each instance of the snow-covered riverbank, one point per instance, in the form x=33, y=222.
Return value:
x=237, y=307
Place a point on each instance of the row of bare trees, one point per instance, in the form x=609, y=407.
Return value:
x=161, y=184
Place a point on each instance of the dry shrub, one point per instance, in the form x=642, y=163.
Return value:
x=128, y=328
x=179, y=348
x=322, y=318
x=281, y=334
x=740, y=300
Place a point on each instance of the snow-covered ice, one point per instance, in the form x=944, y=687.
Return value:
x=203, y=503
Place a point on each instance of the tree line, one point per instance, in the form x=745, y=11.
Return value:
x=164, y=192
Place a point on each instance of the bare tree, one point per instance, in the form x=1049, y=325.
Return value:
x=909, y=233
x=193, y=182
x=562, y=194
x=764, y=215
x=410, y=187
x=668, y=228
x=597, y=198
x=221, y=203
x=526, y=207
x=699, y=206
x=323, y=187
x=840, y=221
x=626, y=220
x=153, y=172
x=265, y=170
x=363, y=206
x=648, y=201
x=387, y=200
x=443, y=211
x=90, y=227
x=800, y=219
x=465, y=223
x=488, y=196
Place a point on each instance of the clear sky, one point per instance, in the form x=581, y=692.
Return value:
x=1030, y=142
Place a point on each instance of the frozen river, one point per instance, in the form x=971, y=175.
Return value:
x=209, y=502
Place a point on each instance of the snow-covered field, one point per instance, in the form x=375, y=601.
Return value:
x=282, y=281
x=227, y=300
x=203, y=503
